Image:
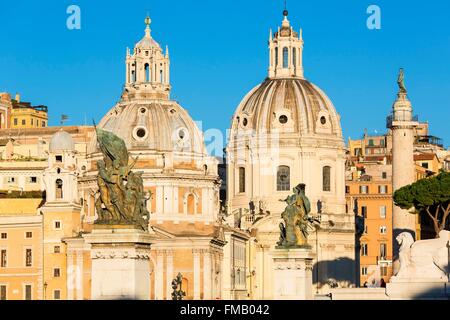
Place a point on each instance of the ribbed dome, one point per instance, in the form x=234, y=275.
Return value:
x=290, y=105
x=154, y=125
x=148, y=43
x=61, y=141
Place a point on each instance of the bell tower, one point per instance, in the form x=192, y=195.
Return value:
x=147, y=69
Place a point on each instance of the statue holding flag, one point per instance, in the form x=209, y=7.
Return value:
x=121, y=199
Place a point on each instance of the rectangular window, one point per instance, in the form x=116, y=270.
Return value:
x=4, y=236
x=29, y=235
x=11, y=180
x=347, y=189
x=57, y=225
x=57, y=295
x=364, y=212
x=58, y=158
x=382, y=189
x=15, y=121
x=363, y=189
x=364, y=271
x=57, y=249
x=425, y=165
x=43, y=123
x=24, y=122
x=33, y=180
x=383, y=271
x=383, y=212
x=32, y=121
x=3, y=293
x=57, y=272
x=326, y=177
x=28, y=292
x=383, y=251
x=3, y=258
x=241, y=180
x=384, y=175
x=28, y=257
x=364, y=250
x=383, y=230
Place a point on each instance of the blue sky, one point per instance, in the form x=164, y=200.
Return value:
x=219, y=52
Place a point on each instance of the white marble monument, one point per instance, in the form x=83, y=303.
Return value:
x=120, y=263
x=423, y=272
x=292, y=274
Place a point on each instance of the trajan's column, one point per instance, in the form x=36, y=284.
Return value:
x=403, y=125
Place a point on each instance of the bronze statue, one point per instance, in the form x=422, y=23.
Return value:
x=121, y=199
x=294, y=230
x=401, y=81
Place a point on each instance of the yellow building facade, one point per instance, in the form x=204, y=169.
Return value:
x=25, y=116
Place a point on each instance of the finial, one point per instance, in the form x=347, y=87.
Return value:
x=285, y=12
x=270, y=34
x=147, y=21
x=401, y=82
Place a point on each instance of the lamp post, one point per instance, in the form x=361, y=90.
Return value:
x=177, y=293
x=45, y=290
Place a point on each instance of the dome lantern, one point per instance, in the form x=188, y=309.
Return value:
x=147, y=69
x=285, y=51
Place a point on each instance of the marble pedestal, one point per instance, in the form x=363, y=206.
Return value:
x=292, y=274
x=120, y=263
x=418, y=289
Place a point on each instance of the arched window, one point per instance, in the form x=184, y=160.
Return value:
x=276, y=57
x=133, y=76
x=326, y=176
x=147, y=73
x=285, y=58
x=59, y=189
x=294, y=57
x=241, y=180
x=283, y=178
x=161, y=78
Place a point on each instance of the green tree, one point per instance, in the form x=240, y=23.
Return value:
x=430, y=196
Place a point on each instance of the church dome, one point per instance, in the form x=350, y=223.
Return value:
x=61, y=141
x=286, y=102
x=146, y=118
x=291, y=105
x=160, y=125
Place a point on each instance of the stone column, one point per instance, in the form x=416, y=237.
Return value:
x=169, y=274
x=292, y=274
x=79, y=275
x=159, y=275
x=196, y=254
x=71, y=275
x=207, y=275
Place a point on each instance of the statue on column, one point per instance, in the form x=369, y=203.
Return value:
x=401, y=81
x=121, y=199
x=296, y=216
